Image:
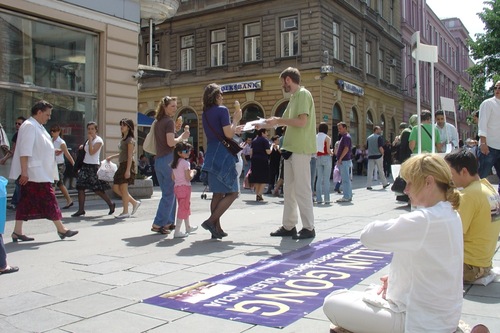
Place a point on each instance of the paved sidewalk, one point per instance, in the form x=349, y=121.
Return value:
x=94, y=282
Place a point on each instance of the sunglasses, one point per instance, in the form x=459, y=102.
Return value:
x=19, y=124
x=186, y=151
x=496, y=88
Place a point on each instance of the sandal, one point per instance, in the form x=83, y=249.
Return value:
x=160, y=230
x=9, y=269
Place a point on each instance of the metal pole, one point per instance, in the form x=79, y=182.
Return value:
x=150, y=42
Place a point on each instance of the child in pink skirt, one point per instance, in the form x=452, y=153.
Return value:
x=182, y=175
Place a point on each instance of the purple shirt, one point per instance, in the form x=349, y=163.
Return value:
x=218, y=118
x=345, y=141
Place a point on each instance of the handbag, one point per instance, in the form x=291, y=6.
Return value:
x=80, y=156
x=398, y=186
x=107, y=171
x=149, y=144
x=232, y=146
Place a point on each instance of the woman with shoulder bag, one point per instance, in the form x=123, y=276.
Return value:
x=87, y=176
x=220, y=163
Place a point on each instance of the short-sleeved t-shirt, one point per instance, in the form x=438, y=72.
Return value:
x=123, y=148
x=180, y=173
x=162, y=127
x=300, y=140
x=426, y=139
x=345, y=141
x=479, y=210
x=93, y=159
x=217, y=117
x=259, y=147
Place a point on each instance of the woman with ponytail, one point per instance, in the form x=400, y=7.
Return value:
x=423, y=291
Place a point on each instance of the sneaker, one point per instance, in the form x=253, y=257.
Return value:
x=122, y=216
x=180, y=234
x=343, y=200
x=282, y=232
x=304, y=234
x=192, y=229
x=385, y=186
x=136, y=207
x=369, y=188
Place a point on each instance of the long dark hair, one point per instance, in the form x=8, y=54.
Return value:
x=179, y=147
x=212, y=91
x=130, y=124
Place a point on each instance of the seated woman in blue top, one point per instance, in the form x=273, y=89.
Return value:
x=219, y=163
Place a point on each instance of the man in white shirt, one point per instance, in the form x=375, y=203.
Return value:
x=447, y=132
x=489, y=134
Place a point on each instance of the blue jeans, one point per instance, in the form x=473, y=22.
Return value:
x=346, y=179
x=166, y=207
x=323, y=171
x=313, y=172
x=488, y=161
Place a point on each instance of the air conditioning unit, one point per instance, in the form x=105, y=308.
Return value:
x=393, y=62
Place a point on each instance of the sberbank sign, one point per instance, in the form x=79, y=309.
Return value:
x=242, y=86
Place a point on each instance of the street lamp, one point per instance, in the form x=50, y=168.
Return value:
x=414, y=85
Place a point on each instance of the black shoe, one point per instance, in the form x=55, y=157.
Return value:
x=385, y=186
x=23, y=238
x=369, y=188
x=78, y=213
x=68, y=233
x=112, y=208
x=211, y=227
x=304, y=234
x=282, y=232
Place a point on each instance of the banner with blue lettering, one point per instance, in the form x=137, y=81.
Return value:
x=278, y=291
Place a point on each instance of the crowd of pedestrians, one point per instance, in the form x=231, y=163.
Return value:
x=303, y=160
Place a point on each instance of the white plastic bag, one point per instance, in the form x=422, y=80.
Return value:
x=107, y=171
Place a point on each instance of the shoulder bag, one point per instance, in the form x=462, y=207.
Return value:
x=80, y=156
x=149, y=144
x=231, y=145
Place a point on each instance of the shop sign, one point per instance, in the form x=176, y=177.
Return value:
x=350, y=88
x=242, y=86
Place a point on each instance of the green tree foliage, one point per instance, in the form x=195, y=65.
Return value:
x=485, y=50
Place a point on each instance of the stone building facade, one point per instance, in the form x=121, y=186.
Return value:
x=348, y=52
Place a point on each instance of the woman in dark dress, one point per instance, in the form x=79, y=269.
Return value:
x=259, y=153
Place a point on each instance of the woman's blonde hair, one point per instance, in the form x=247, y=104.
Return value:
x=418, y=167
x=160, y=108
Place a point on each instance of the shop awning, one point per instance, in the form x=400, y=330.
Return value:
x=143, y=120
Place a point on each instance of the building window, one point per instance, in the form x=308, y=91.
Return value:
x=289, y=36
x=368, y=57
x=336, y=40
x=218, y=47
x=391, y=13
x=380, y=7
x=352, y=49
x=60, y=66
x=156, y=53
x=392, y=74
x=187, y=53
x=253, y=48
x=381, y=73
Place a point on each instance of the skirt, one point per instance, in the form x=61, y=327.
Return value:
x=216, y=186
x=119, y=177
x=38, y=201
x=87, y=179
x=260, y=171
x=61, y=168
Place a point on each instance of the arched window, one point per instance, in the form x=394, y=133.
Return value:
x=354, y=126
x=336, y=118
x=251, y=112
x=278, y=113
x=369, y=123
x=190, y=118
x=384, y=126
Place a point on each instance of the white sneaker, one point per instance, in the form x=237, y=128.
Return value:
x=136, y=207
x=122, y=216
x=192, y=229
x=180, y=234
